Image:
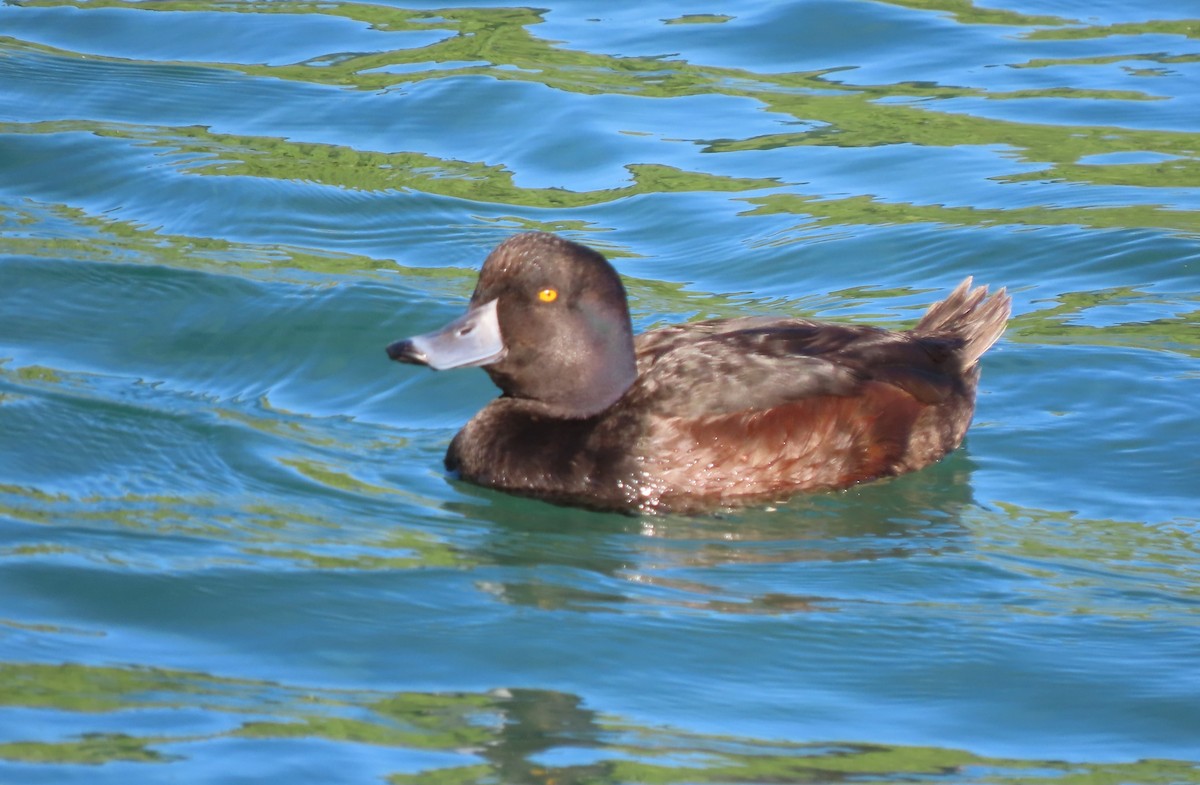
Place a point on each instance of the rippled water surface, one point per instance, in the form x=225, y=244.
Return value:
x=228, y=551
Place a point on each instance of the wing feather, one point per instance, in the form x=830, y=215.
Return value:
x=754, y=364
x=822, y=441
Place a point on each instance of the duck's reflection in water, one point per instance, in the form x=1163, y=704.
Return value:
x=736, y=561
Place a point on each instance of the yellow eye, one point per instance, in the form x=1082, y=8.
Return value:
x=548, y=295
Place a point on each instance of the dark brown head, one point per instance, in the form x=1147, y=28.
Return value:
x=549, y=323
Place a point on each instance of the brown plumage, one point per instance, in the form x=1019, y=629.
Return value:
x=695, y=416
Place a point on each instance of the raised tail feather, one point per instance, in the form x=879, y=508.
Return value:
x=970, y=315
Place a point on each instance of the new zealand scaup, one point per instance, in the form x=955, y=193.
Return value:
x=695, y=416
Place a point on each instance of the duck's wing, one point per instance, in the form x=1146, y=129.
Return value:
x=733, y=365
x=750, y=409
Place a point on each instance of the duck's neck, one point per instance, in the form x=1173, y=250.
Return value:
x=592, y=391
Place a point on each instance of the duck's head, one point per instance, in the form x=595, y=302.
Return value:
x=548, y=321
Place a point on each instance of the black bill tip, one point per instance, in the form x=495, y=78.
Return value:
x=406, y=352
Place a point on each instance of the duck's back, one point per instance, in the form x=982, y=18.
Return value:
x=751, y=409
x=729, y=365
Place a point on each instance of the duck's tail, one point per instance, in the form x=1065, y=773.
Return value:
x=971, y=316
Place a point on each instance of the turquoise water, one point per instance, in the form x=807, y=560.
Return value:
x=228, y=551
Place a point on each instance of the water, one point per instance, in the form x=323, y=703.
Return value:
x=228, y=551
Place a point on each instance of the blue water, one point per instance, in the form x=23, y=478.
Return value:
x=228, y=551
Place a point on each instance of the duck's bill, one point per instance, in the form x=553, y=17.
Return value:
x=472, y=339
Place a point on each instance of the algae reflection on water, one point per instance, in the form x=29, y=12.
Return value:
x=501, y=735
x=833, y=110
x=228, y=538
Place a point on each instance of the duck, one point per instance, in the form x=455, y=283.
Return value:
x=700, y=416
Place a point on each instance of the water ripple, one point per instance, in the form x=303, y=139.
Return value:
x=227, y=543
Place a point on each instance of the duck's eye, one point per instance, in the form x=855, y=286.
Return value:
x=548, y=295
